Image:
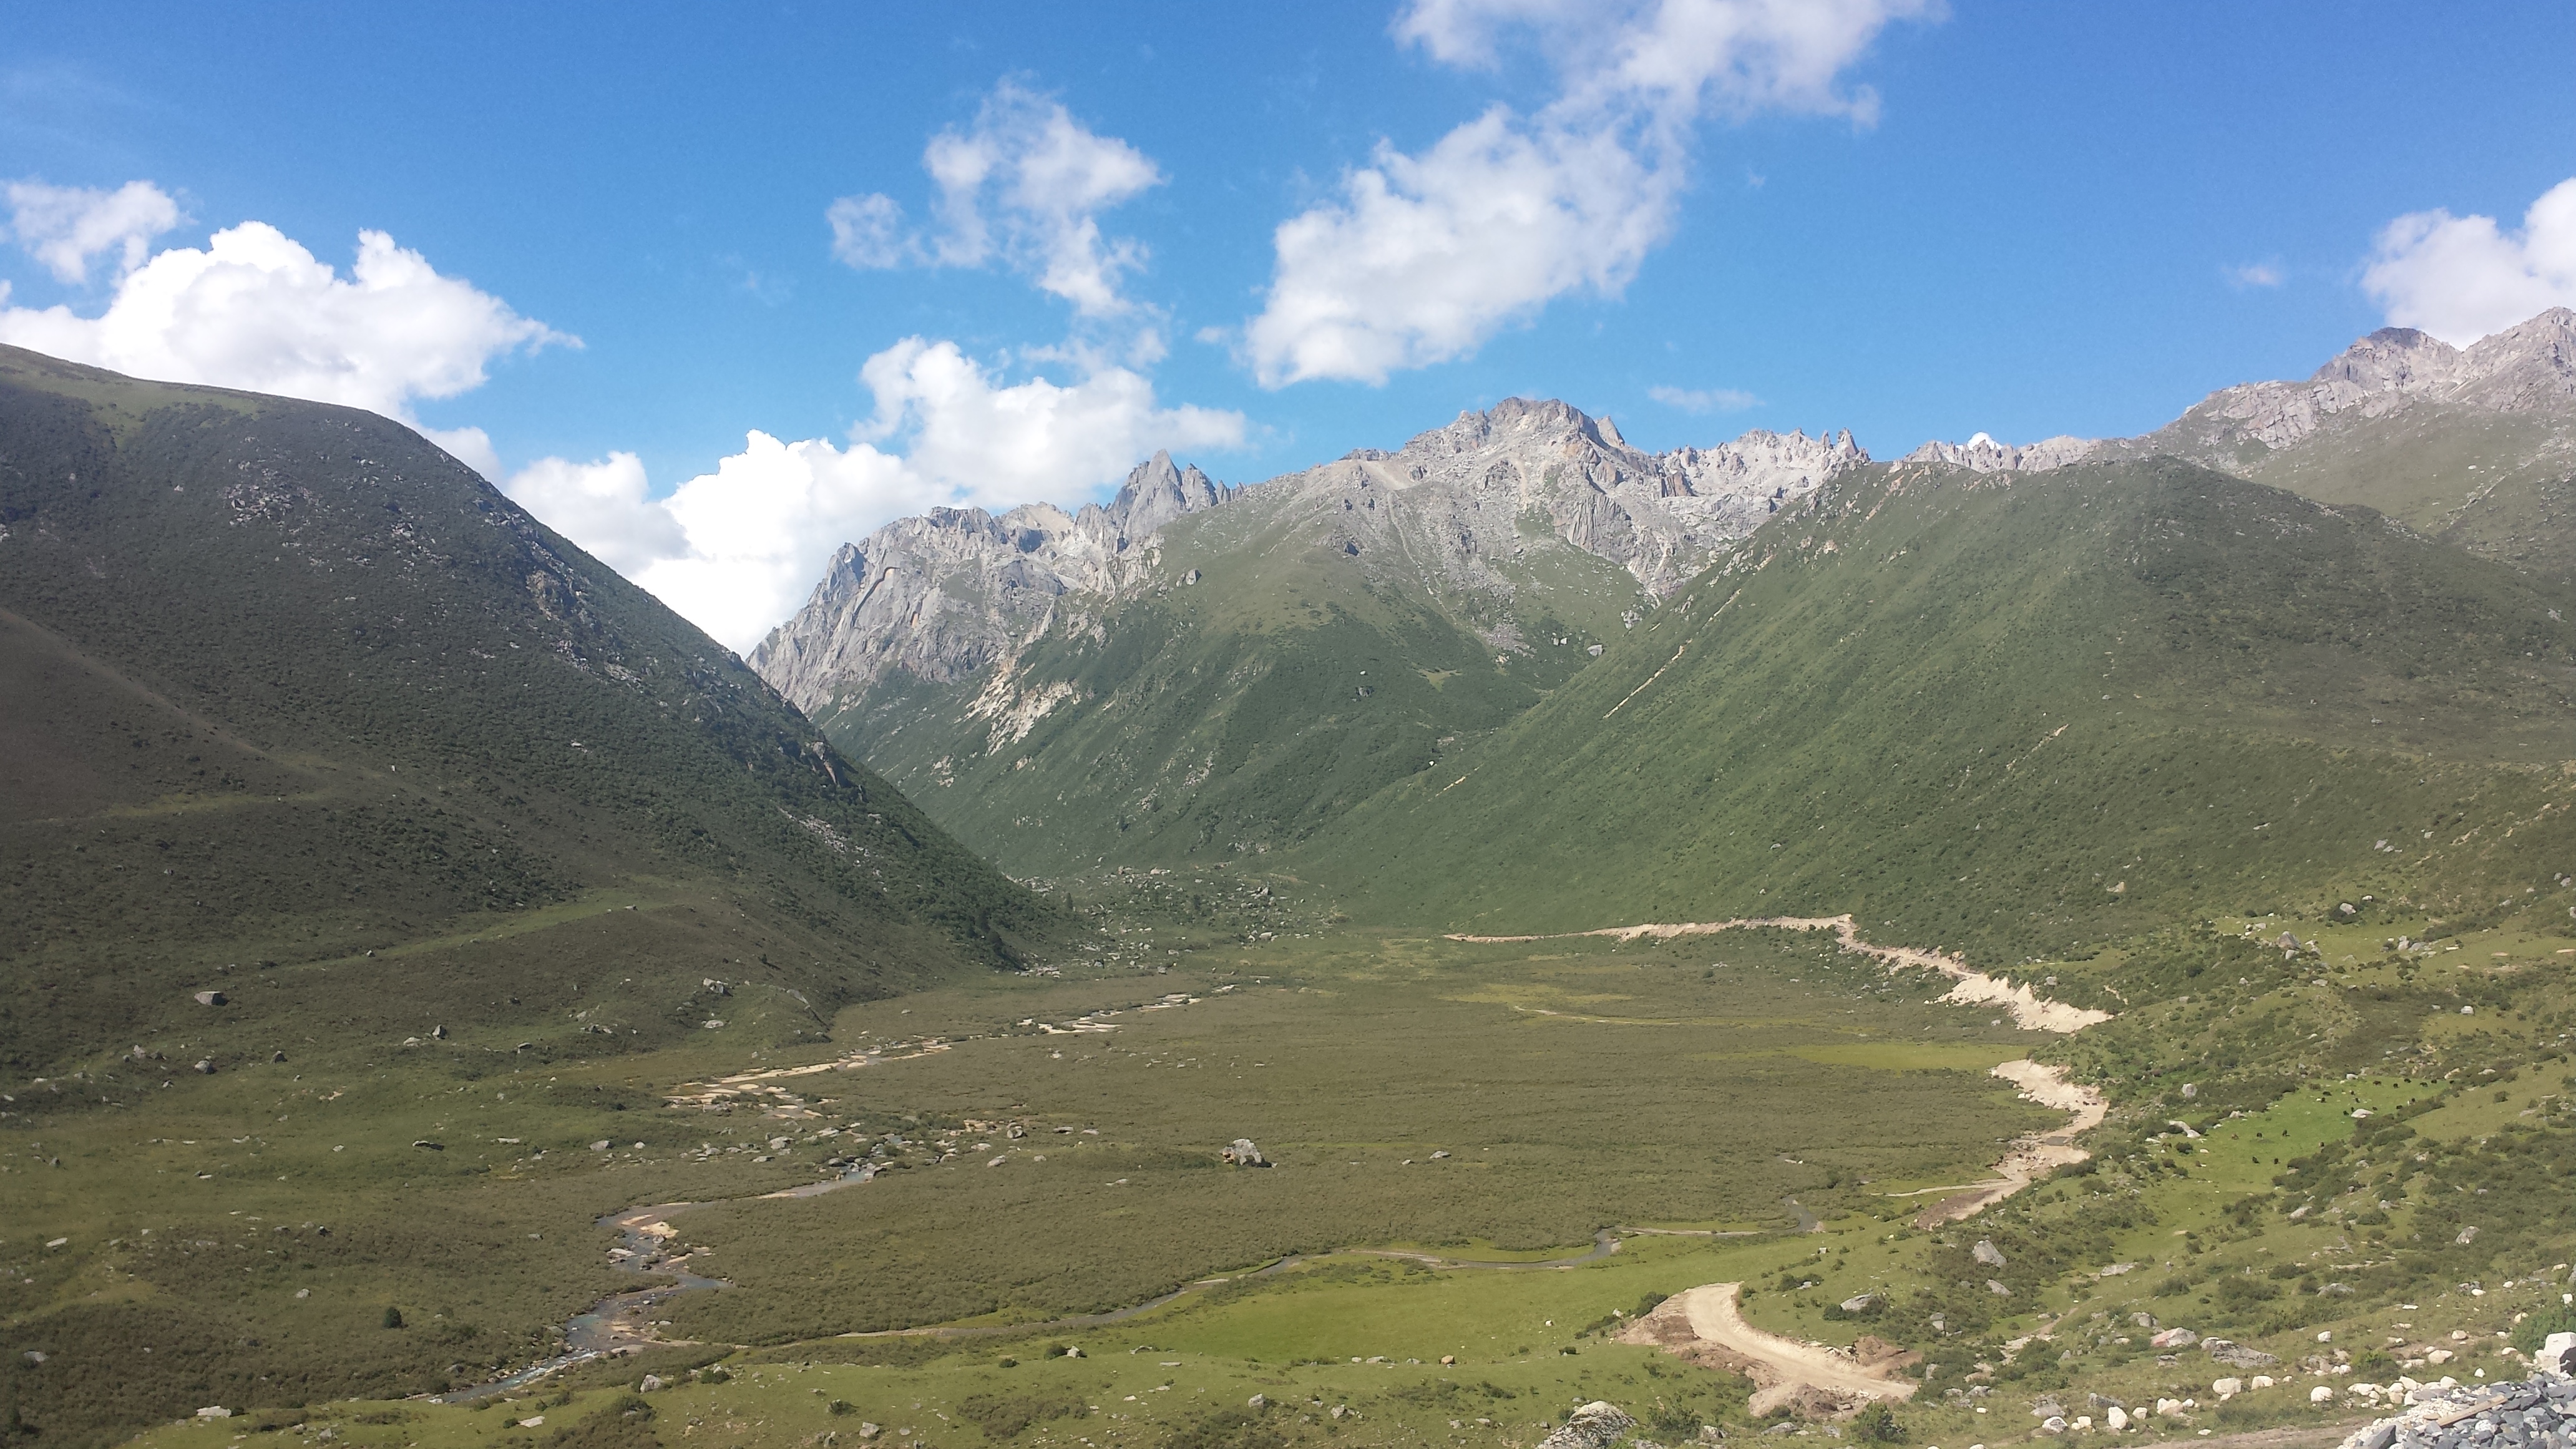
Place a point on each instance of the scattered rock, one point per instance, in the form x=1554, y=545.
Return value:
x=1243, y=1154
x=1597, y=1425
x=2190, y=1090
x=438, y=1033
x=1860, y=1303
x=214, y=1411
x=652, y=1383
x=2174, y=1338
x=1987, y=1253
x=277, y=1056
x=2237, y=1355
x=600, y=1146
x=2227, y=1388
x=2116, y=1418
x=213, y=998
x=206, y=1068
x=1997, y=1288
x=1257, y=1401
x=432, y=1146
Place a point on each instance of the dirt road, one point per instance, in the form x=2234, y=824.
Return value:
x=1703, y=1326
x=2032, y=1157
x=1971, y=987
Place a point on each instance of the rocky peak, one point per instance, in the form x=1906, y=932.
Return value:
x=1982, y=454
x=1156, y=493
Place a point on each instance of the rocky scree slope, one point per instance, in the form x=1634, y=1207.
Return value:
x=282, y=683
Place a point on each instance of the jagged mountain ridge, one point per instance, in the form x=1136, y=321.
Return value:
x=942, y=596
x=2473, y=445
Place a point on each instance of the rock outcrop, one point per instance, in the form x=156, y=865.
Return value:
x=942, y=595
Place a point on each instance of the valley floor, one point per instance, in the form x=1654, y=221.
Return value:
x=995, y=1212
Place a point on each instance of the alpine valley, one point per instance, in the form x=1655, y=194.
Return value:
x=1512, y=939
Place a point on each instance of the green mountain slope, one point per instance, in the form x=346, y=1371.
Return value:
x=2018, y=716
x=1282, y=668
x=282, y=685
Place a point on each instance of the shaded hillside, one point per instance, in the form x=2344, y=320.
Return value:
x=2017, y=714
x=283, y=684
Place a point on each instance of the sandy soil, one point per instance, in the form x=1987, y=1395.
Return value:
x=2035, y=1156
x=1703, y=1326
x=2029, y=1010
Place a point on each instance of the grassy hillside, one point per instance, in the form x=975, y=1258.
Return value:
x=2018, y=718
x=2501, y=485
x=1240, y=712
x=300, y=716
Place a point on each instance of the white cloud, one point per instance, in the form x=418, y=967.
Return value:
x=867, y=232
x=64, y=227
x=602, y=507
x=2463, y=277
x=1425, y=257
x=1422, y=258
x=1025, y=185
x=469, y=446
x=2254, y=274
x=737, y=550
x=255, y=310
x=1704, y=399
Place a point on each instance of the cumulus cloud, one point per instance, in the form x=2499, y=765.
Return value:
x=253, y=309
x=737, y=550
x=65, y=227
x=2463, y=277
x=1704, y=399
x=1422, y=258
x=1023, y=186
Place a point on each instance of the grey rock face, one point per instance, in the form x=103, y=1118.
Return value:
x=942, y=596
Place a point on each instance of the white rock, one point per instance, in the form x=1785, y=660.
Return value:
x=2117, y=1418
x=2321, y=1394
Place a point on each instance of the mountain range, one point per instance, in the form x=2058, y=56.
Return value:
x=1270, y=657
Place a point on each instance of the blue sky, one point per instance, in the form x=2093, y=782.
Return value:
x=1902, y=219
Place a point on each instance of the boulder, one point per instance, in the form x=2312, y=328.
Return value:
x=1860, y=1303
x=1243, y=1154
x=2227, y=1388
x=2557, y=1355
x=2174, y=1338
x=205, y=1067
x=1597, y=1425
x=1996, y=1287
x=213, y=998
x=2116, y=1418
x=2237, y=1355
x=1987, y=1253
